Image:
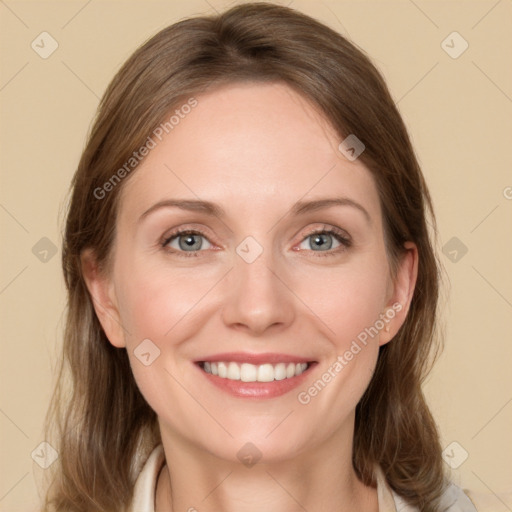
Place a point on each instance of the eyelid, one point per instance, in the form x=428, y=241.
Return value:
x=189, y=228
x=327, y=228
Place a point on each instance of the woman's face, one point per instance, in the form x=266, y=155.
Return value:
x=285, y=267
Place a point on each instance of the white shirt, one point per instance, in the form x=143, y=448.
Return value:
x=454, y=499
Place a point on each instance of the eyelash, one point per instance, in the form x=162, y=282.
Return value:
x=345, y=241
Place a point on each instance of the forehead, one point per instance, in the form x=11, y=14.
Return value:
x=250, y=146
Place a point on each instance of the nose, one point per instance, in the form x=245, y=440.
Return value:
x=257, y=297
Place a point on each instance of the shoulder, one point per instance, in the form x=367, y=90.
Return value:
x=453, y=499
x=489, y=502
x=462, y=500
x=456, y=499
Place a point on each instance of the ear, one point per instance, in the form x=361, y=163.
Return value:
x=401, y=293
x=101, y=290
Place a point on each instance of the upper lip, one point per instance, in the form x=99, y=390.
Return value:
x=256, y=359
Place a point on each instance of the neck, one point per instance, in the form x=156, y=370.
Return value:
x=316, y=480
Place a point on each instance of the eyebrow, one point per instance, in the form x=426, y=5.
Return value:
x=299, y=208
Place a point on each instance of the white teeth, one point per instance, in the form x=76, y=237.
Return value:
x=233, y=372
x=280, y=371
x=265, y=373
x=247, y=372
x=300, y=367
x=222, y=369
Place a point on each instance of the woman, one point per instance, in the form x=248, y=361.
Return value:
x=252, y=286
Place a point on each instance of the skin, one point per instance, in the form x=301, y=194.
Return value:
x=255, y=150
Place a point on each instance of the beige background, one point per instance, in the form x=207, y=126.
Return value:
x=459, y=113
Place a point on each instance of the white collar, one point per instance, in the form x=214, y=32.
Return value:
x=145, y=487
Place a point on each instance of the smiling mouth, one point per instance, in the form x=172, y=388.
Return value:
x=246, y=372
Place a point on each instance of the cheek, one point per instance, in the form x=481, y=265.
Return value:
x=347, y=299
x=162, y=304
x=157, y=299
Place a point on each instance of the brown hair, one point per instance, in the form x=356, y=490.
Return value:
x=101, y=418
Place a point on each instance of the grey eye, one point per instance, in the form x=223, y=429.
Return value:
x=320, y=242
x=189, y=242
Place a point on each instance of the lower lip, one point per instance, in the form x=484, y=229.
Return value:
x=272, y=389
